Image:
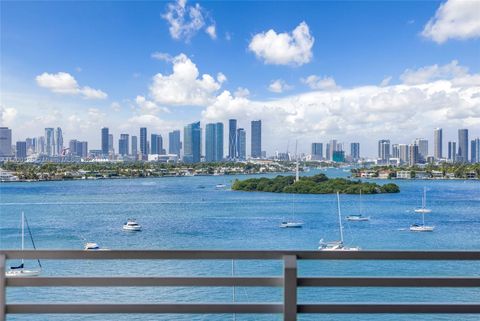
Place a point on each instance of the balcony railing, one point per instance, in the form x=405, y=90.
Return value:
x=289, y=281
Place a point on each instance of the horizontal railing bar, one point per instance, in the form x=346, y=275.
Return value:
x=390, y=308
x=213, y=308
x=144, y=281
x=238, y=255
x=388, y=281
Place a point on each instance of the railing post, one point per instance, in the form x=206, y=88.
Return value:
x=3, y=283
x=289, y=288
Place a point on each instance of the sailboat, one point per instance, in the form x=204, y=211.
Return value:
x=21, y=271
x=358, y=217
x=337, y=245
x=292, y=223
x=424, y=208
x=423, y=227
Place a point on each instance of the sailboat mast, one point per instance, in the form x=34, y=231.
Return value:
x=339, y=217
x=23, y=232
x=297, y=178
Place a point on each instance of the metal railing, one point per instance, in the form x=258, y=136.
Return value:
x=289, y=281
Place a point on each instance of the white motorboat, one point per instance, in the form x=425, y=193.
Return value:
x=286, y=224
x=421, y=228
x=357, y=218
x=92, y=246
x=132, y=225
x=21, y=271
x=424, y=208
x=220, y=186
x=337, y=245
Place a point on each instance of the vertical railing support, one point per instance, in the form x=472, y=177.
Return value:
x=3, y=285
x=289, y=288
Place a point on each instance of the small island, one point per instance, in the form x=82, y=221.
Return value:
x=317, y=184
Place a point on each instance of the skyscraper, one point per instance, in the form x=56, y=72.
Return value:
x=327, y=151
x=413, y=154
x=82, y=149
x=21, y=150
x=437, y=143
x=156, y=143
x=111, y=149
x=143, y=143
x=49, y=142
x=123, y=144
x=395, y=151
x=462, y=145
x=174, y=144
x=5, y=142
x=355, y=151
x=241, y=144
x=452, y=151
x=475, y=150
x=58, y=141
x=422, y=144
x=317, y=151
x=218, y=142
x=334, y=146
x=210, y=143
x=41, y=145
x=403, y=153
x=232, y=138
x=384, y=150
x=256, y=139
x=105, y=141
x=192, y=143
x=134, y=146
x=31, y=144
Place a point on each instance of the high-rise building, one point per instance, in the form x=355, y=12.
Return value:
x=327, y=151
x=5, y=142
x=334, y=146
x=317, y=151
x=156, y=144
x=355, y=151
x=214, y=142
x=174, y=144
x=143, y=143
x=462, y=146
x=384, y=150
x=219, y=142
x=105, y=141
x=58, y=141
x=82, y=149
x=403, y=153
x=72, y=147
x=192, y=143
x=123, y=144
x=41, y=149
x=49, y=142
x=232, y=138
x=256, y=139
x=395, y=151
x=475, y=150
x=21, y=150
x=111, y=149
x=338, y=156
x=437, y=143
x=134, y=146
x=413, y=154
x=422, y=144
x=452, y=151
x=241, y=144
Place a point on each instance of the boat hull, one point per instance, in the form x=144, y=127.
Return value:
x=22, y=273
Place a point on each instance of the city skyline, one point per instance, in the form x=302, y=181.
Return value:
x=173, y=73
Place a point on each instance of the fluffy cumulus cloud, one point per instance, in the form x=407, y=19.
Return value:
x=454, y=19
x=435, y=72
x=148, y=107
x=279, y=86
x=7, y=115
x=185, y=86
x=186, y=20
x=64, y=83
x=359, y=113
x=286, y=48
x=320, y=83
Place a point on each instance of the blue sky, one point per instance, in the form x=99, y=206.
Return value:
x=108, y=46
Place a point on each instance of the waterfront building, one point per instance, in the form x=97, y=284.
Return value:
x=355, y=151
x=232, y=139
x=241, y=144
x=413, y=154
x=437, y=143
x=452, y=151
x=422, y=144
x=214, y=142
x=317, y=151
x=384, y=150
x=156, y=145
x=395, y=151
x=192, y=143
x=58, y=141
x=21, y=150
x=338, y=156
x=462, y=155
x=49, y=142
x=105, y=141
x=475, y=150
x=403, y=153
x=143, y=143
x=123, y=144
x=174, y=144
x=5, y=142
x=256, y=139
x=134, y=146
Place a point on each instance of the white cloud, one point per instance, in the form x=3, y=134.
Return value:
x=242, y=92
x=162, y=56
x=115, y=106
x=320, y=83
x=185, y=86
x=433, y=72
x=454, y=19
x=7, y=115
x=185, y=20
x=148, y=107
x=64, y=83
x=279, y=86
x=385, y=81
x=293, y=48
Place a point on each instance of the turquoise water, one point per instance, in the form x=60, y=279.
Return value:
x=177, y=213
